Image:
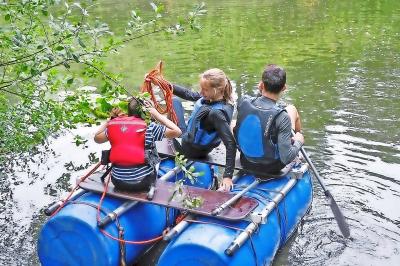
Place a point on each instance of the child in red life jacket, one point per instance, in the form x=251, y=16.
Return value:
x=133, y=153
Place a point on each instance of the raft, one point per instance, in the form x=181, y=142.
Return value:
x=209, y=241
x=72, y=236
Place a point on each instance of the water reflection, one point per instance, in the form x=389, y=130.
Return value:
x=342, y=59
x=30, y=183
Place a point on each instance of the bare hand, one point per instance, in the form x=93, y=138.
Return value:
x=226, y=185
x=116, y=112
x=146, y=77
x=299, y=137
x=148, y=104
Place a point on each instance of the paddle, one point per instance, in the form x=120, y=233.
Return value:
x=341, y=221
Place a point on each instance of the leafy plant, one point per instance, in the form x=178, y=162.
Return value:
x=48, y=49
x=179, y=192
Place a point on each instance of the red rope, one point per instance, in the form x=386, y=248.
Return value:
x=76, y=186
x=155, y=77
x=117, y=238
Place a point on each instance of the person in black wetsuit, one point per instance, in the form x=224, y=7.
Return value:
x=263, y=129
x=210, y=120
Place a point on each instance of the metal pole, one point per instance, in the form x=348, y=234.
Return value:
x=129, y=204
x=55, y=205
x=251, y=228
x=178, y=228
x=232, y=200
x=111, y=216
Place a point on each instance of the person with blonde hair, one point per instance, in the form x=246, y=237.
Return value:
x=209, y=123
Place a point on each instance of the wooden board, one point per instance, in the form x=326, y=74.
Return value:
x=163, y=193
x=166, y=147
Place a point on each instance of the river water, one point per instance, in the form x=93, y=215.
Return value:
x=343, y=68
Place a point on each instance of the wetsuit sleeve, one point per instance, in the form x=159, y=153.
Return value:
x=185, y=93
x=287, y=150
x=221, y=125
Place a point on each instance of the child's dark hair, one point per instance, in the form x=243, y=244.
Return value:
x=134, y=107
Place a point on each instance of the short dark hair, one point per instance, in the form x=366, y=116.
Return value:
x=133, y=108
x=274, y=78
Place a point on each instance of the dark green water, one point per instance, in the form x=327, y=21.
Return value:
x=343, y=67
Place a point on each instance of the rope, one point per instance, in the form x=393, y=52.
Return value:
x=143, y=242
x=155, y=77
x=76, y=186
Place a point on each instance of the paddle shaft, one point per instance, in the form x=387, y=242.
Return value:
x=337, y=213
x=310, y=163
x=316, y=174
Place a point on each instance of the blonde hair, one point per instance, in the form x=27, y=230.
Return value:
x=219, y=81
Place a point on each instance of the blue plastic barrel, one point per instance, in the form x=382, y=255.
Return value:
x=205, y=243
x=72, y=237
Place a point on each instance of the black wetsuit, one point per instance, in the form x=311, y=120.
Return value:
x=217, y=120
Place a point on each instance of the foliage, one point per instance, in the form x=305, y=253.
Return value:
x=188, y=200
x=188, y=173
x=49, y=48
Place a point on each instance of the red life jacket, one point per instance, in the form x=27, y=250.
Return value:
x=127, y=137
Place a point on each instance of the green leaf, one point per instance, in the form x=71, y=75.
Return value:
x=81, y=43
x=59, y=48
x=70, y=81
x=7, y=17
x=34, y=71
x=24, y=67
x=76, y=58
x=160, y=8
x=123, y=106
x=153, y=6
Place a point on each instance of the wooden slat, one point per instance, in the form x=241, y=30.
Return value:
x=164, y=190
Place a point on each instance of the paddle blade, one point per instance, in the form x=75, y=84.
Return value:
x=341, y=221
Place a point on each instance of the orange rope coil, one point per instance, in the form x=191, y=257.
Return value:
x=155, y=77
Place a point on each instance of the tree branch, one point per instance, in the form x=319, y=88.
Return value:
x=106, y=75
x=141, y=36
x=16, y=93
x=16, y=81
x=17, y=60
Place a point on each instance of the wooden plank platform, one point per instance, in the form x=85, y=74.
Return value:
x=163, y=194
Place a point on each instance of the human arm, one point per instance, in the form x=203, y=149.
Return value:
x=101, y=136
x=172, y=130
x=288, y=149
x=185, y=93
x=221, y=125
